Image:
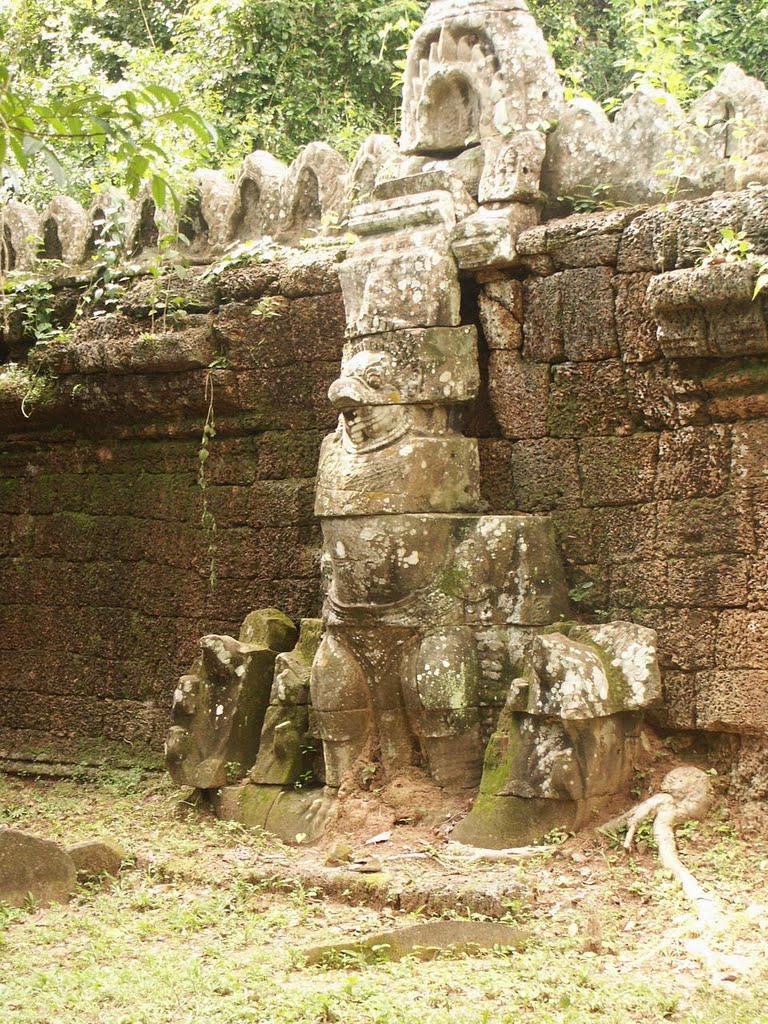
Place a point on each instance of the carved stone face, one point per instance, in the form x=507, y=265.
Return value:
x=368, y=380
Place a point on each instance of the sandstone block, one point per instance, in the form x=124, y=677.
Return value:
x=268, y=627
x=639, y=583
x=618, y=470
x=589, y=331
x=579, y=151
x=545, y=474
x=693, y=462
x=758, y=582
x=721, y=524
x=32, y=868
x=433, y=366
x=635, y=328
x=417, y=474
x=648, y=243
x=687, y=638
x=518, y=392
x=590, y=399
x=542, y=326
x=742, y=639
x=496, y=484
x=749, y=465
x=732, y=701
x=501, y=328
x=489, y=237
x=622, y=533
x=677, y=709
x=573, y=528
x=401, y=273
x=583, y=673
x=709, y=581
x=501, y=51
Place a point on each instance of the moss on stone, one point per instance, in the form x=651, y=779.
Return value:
x=453, y=581
x=496, y=822
x=82, y=519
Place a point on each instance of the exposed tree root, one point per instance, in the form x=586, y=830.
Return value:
x=686, y=793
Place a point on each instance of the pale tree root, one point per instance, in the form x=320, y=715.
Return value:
x=686, y=793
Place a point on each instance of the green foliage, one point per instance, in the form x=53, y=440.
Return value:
x=61, y=116
x=606, y=48
x=580, y=592
x=95, y=92
x=31, y=298
x=735, y=247
x=99, y=91
x=242, y=254
x=106, y=286
x=29, y=387
x=290, y=71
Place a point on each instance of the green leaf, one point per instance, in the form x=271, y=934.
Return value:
x=159, y=188
x=52, y=163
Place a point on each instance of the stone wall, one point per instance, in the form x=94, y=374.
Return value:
x=622, y=396
x=631, y=395
x=104, y=574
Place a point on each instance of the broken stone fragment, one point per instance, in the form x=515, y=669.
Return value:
x=254, y=206
x=287, y=753
x=424, y=941
x=569, y=733
x=219, y=707
x=557, y=759
x=729, y=133
x=291, y=815
x=488, y=238
x=269, y=627
x=378, y=158
x=95, y=858
x=34, y=869
x=311, y=192
x=204, y=220
x=23, y=231
x=591, y=672
x=66, y=228
x=579, y=153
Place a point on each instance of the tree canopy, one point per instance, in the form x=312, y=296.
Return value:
x=108, y=91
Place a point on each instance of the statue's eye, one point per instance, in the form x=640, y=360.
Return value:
x=373, y=380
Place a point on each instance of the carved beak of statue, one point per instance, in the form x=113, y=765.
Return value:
x=348, y=393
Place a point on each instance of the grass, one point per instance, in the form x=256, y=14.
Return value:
x=184, y=938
